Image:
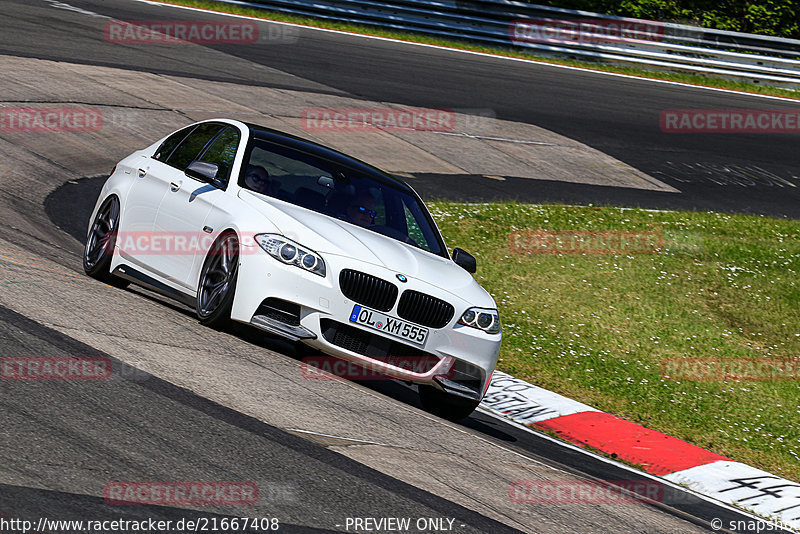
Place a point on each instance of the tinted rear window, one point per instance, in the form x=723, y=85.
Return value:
x=171, y=142
x=222, y=151
x=190, y=148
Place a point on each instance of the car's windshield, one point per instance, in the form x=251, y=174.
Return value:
x=345, y=194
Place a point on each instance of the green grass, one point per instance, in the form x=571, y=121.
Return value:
x=695, y=79
x=595, y=327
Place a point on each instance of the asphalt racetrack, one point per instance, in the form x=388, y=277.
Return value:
x=187, y=403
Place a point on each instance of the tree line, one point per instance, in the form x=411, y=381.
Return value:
x=766, y=17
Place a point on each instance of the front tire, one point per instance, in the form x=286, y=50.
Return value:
x=218, y=282
x=100, y=243
x=445, y=405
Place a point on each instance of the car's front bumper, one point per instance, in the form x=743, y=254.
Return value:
x=314, y=310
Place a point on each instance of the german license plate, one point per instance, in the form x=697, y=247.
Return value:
x=389, y=325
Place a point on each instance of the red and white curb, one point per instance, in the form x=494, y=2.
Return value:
x=675, y=460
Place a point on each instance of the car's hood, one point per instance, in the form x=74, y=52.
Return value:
x=330, y=236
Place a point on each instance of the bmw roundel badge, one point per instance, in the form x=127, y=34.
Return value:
x=402, y=278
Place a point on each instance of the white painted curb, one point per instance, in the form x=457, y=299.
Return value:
x=741, y=485
x=525, y=403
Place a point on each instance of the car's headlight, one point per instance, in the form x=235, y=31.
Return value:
x=291, y=253
x=484, y=319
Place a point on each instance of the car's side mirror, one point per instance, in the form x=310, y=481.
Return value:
x=465, y=260
x=203, y=170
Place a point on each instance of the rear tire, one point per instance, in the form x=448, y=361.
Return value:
x=217, y=285
x=445, y=405
x=100, y=243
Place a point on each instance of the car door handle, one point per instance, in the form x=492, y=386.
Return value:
x=142, y=173
x=174, y=186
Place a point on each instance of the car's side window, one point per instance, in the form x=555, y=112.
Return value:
x=190, y=148
x=171, y=142
x=414, y=231
x=222, y=151
x=418, y=227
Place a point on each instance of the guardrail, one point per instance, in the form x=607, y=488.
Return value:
x=552, y=31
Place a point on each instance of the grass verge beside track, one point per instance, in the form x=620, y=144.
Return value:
x=596, y=327
x=694, y=79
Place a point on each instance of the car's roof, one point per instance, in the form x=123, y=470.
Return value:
x=299, y=144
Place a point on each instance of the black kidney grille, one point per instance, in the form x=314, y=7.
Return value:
x=368, y=290
x=424, y=309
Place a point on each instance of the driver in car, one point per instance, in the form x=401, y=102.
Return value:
x=257, y=178
x=361, y=209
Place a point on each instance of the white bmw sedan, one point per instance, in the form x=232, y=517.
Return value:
x=261, y=227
